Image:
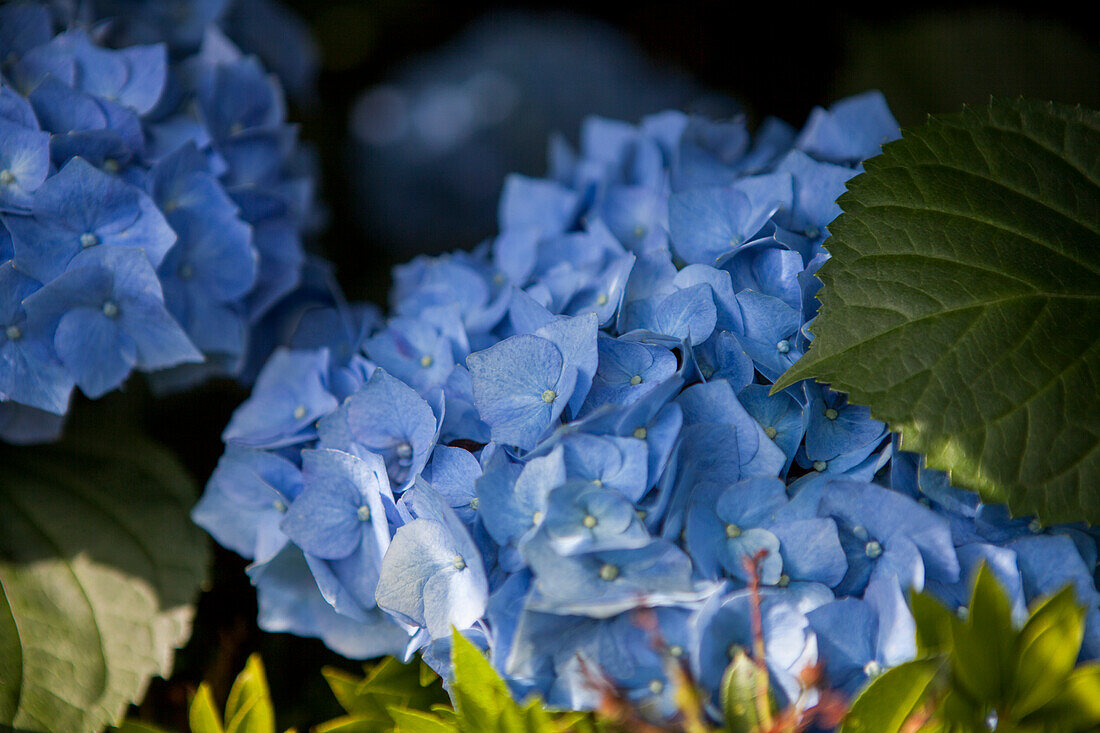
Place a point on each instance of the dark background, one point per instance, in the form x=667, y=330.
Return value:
x=775, y=58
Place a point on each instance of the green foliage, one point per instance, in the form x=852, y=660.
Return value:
x=970, y=669
x=483, y=703
x=962, y=302
x=248, y=709
x=896, y=696
x=744, y=689
x=370, y=700
x=99, y=566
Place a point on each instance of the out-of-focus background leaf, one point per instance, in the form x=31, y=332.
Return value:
x=99, y=572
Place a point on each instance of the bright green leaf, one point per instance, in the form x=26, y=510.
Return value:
x=742, y=684
x=1076, y=708
x=427, y=675
x=388, y=684
x=345, y=688
x=1047, y=650
x=983, y=661
x=249, y=708
x=935, y=624
x=415, y=721
x=887, y=703
x=203, y=714
x=481, y=698
x=962, y=302
x=99, y=566
x=356, y=724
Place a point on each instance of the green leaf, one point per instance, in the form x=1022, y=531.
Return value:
x=388, y=684
x=203, y=715
x=415, y=721
x=742, y=683
x=983, y=660
x=345, y=688
x=886, y=704
x=1047, y=650
x=935, y=624
x=99, y=566
x=1076, y=707
x=481, y=698
x=356, y=724
x=249, y=708
x=962, y=302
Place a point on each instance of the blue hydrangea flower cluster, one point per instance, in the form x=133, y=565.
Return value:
x=573, y=423
x=267, y=28
x=151, y=212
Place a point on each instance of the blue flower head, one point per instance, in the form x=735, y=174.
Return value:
x=110, y=143
x=576, y=425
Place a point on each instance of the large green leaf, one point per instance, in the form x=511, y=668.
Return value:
x=99, y=566
x=962, y=302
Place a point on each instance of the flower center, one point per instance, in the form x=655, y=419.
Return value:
x=110, y=309
x=601, y=299
x=549, y=396
x=279, y=505
x=589, y=521
x=474, y=503
x=608, y=571
x=771, y=432
x=676, y=651
x=784, y=580
x=14, y=333
x=88, y=239
x=459, y=563
x=536, y=517
x=640, y=433
x=7, y=177
x=733, y=531
x=872, y=669
x=783, y=346
x=636, y=379
x=873, y=549
x=299, y=412
x=404, y=451
x=831, y=414
x=363, y=513
x=820, y=466
x=426, y=361
x=656, y=687
x=110, y=165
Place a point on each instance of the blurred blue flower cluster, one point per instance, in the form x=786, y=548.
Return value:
x=151, y=213
x=573, y=422
x=432, y=144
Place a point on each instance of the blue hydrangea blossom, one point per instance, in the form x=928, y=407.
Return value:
x=152, y=204
x=575, y=425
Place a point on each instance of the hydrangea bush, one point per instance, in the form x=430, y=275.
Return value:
x=152, y=208
x=575, y=421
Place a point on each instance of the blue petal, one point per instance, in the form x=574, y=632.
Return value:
x=515, y=388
